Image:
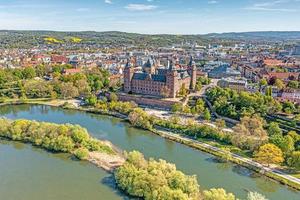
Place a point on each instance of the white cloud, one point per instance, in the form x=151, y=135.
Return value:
x=273, y=6
x=82, y=9
x=108, y=1
x=271, y=9
x=140, y=7
x=212, y=2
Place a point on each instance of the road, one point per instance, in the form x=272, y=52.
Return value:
x=201, y=93
x=238, y=157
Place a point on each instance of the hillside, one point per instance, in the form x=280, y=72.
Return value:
x=27, y=39
x=263, y=35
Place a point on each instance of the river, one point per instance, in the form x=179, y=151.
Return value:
x=29, y=173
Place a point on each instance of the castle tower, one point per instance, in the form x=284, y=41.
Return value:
x=149, y=67
x=172, y=80
x=193, y=73
x=128, y=74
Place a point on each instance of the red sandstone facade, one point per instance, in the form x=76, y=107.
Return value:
x=164, y=82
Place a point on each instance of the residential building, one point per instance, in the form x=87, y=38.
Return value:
x=223, y=71
x=232, y=83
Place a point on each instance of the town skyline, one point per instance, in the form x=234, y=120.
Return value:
x=151, y=16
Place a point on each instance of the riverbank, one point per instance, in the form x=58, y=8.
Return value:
x=108, y=162
x=245, y=162
x=283, y=178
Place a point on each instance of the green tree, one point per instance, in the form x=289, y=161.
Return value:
x=63, y=143
x=37, y=89
x=113, y=97
x=263, y=82
x=220, y=123
x=80, y=135
x=279, y=84
x=91, y=100
x=288, y=146
x=83, y=87
x=200, y=106
x=183, y=91
x=293, y=84
x=206, y=114
x=288, y=107
x=151, y=179
x=255, y=196
x=81, y=153
x=198, y=86
x=67, y=90
x=177, y=107
x=249, y=133
x=217, y=194
x=269, y=91
x=40, y=70
x=294, y=160
x=274, y=129
x=29, y=73
x=139, y=118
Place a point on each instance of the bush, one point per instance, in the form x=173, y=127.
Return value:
x=81, y=153
x=217, y=194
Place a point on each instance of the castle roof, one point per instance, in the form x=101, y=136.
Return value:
x=148, y=64
x=153, y=77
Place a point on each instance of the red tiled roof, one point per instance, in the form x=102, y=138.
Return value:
x=59, y=59
x=284, y=75
x=273, y=62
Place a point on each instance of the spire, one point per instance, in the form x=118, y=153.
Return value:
x=192, y=62
x=127, y=64
x=148, y=64
x=171, y=67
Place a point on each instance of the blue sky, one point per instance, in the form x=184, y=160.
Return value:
x=151, y=16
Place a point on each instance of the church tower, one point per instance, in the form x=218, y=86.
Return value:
x=149, y=67
x=172, y=80
x=128, y=74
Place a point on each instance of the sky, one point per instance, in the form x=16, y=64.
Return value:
x=151, y=16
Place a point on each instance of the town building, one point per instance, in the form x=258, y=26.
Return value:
x=235, y=84
x=296, y=51
x=284, y=76
x=156, y=81
x=223, y=71
x=292, y=95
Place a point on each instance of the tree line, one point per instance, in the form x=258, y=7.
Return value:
x=233, y=104
x=251, y=136
x=51, y=82
x=53, y=137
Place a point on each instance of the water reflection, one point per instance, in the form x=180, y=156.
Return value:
x=242, y=171
x=110, y=182
x=265, y=185
x=209, y=170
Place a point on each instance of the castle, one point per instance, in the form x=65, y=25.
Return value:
x=156, y=81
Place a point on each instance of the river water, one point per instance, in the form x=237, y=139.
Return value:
x=29, y=173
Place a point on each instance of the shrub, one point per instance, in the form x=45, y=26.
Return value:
x=81, y=153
